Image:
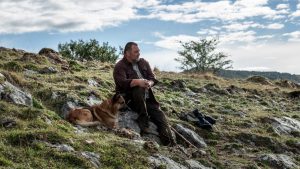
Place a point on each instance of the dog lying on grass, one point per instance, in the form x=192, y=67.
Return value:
x=105, y=113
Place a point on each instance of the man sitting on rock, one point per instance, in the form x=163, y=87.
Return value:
x=134, y=78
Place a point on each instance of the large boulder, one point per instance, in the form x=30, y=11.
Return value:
x=128, y=119
x=191, y=136
x=286, y=125
x=158, y=161
x=279, y=161
x=192, y=164
x=53, y=55
x=13, y=94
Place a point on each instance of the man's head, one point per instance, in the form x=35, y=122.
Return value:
x=132, y=52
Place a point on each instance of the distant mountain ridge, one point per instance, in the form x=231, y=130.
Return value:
x=269, y=75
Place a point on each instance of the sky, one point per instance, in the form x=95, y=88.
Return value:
x=259, y=35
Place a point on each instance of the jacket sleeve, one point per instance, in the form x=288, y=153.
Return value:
x=120, y=78
x=151, y=75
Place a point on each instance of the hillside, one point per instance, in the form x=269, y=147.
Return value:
x=258, y=120
x=240, y=74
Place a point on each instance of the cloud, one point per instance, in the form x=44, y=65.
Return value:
x=173, y=42
x=282, y=6
x=196, y=11
x=19, y=16
x=275, y=26
x=281, y=57
x=293, y=36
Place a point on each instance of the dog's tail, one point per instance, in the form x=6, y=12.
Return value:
x=87, y=124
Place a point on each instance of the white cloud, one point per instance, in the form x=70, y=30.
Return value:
x=242, y=26
x=293, y=36
x=173, y=42
x=195, y=11
x=282, y=6
x=283, y=57
x=19, y=16
x=275, y=26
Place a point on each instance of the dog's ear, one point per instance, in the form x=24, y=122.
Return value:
x=116, y=97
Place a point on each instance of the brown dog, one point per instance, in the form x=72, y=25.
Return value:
x=105, y=113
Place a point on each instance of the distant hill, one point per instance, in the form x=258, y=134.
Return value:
x=271, y=75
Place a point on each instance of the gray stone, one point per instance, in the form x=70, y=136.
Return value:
x=48, y=70
x=93, y=83
x=128, y=120
x=65, y=148
x=69, y=105
x=30, y=72
x=92, y=100
x=191, y=136
x=281, y=161
x=285, y=125
x=11, y=93
x=93, y=157
x=192, y=164
x=160, y=160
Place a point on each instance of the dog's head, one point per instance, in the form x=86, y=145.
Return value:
x=118, y=102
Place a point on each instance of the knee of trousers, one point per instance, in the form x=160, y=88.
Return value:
x=138, y=92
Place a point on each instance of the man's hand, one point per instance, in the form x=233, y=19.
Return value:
x=144, y=83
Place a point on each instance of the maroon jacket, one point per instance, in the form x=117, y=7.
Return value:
x=124, y=73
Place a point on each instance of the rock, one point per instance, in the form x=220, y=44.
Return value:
x=92, y=83
x=48, y=70
x=8, y=123
x=11, y=93
x=128, y=120
x=287, y=84
x=191, y=136
x=179, y=84
x=160, y=160
x=53, y=55
x=294, y=94
x=285, y=125
x=216, y=89
x=262, y=141
x=69, y=105
x=279, y=161
x=92, y=100
x=192, y=164
x=30, y=72
x=259, y=79
x=239, y=113
x=93, y=157
x=61, y=147
x=65, y=148
x=232, y=89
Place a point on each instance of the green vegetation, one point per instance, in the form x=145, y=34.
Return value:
x=88, y=50
x=201, y=56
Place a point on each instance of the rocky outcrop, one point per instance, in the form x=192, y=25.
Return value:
x=158, y=161
x=53, y=55
x=13, y=94
x=190, y=135
x=278, y=161
x=259, y=79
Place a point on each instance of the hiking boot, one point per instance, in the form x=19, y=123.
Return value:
x=202, y=123
x=210, y=119
x=145, y=130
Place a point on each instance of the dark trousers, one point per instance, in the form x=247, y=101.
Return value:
x=148, y=110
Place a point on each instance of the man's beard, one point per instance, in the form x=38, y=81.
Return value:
x=136, y=60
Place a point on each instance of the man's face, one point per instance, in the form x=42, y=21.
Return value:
x=134, y=53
